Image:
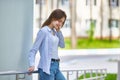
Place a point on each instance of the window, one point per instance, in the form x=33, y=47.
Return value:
x=42, y=2
x=113, y=23
x=114, y=3
x=64, y=2
x=93, y=2
x=87, y=2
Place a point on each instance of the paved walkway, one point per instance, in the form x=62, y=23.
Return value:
x=88, y=59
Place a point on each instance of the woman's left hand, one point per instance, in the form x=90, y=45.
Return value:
x=58, y=29
x=31, y=69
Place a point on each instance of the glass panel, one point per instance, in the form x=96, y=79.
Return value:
x=95, y=2
x=65, y=2
x=114, y=3
x=113, y=23
x=42, y=2
x=89, y=1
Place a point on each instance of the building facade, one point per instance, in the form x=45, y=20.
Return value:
x=102, y=16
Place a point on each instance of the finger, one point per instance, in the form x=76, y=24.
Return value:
x=29, y=73
x=31, y=70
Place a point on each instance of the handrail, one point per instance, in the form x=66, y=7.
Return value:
x=15, y=72
x=103, y=73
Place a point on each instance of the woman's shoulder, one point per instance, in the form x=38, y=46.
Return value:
x=44, y=28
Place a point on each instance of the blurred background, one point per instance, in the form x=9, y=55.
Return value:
x=89, y=24
x=91, y=31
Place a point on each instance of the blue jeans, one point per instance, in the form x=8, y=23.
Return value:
x=55, y=73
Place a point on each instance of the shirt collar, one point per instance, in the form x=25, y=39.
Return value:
x=49, y=29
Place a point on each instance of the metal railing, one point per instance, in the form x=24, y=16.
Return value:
x=99, y=74
x=94, y=74
x=17, y=74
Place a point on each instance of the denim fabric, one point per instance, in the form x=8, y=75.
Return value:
x=55, y=73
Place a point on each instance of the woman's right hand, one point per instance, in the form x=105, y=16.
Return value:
x=31, y=69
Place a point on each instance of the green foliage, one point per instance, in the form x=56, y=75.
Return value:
x=111, y=77
x=108, y=77
x=95, y=43
x=91, y=31
x=88, y=75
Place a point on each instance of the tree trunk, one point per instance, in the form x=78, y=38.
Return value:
x=101, y=23
x=40, y=13
x=110, y=26
x=51, y=4
x=58, y=3
x=90, y=9
x=119, y=20
x=46, y=3
x=73, y=20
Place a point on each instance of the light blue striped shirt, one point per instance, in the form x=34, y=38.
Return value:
x=43, y=43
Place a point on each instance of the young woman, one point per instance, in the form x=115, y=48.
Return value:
x=49, y=38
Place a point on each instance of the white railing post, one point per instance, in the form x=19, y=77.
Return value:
x=91, y=73
x=17, y=77
x=67, y=75
x=118, y=75
x=84, y=74
x=77, y=72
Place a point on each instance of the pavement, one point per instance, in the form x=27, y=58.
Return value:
x=90, y=59
x=81, y=59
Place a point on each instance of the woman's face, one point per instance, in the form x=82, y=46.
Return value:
x=58, y=23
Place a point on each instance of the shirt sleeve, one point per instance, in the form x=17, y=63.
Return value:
x=36, y=45
x=61, y=39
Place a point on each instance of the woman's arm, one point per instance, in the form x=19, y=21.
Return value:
x=61, y=39
x=33, y=51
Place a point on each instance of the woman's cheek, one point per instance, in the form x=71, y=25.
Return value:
x=55, y=23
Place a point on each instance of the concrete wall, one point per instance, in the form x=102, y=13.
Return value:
x=16, y=23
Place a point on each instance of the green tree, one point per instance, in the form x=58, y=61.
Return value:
x=91, y=30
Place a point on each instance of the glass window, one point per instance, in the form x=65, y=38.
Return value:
x=64, y=2
x=113, y=23
x=87, y=2
x=114, y=3
x=40, y=1
x=94, y=2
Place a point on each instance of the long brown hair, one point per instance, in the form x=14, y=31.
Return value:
x=56, y=14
